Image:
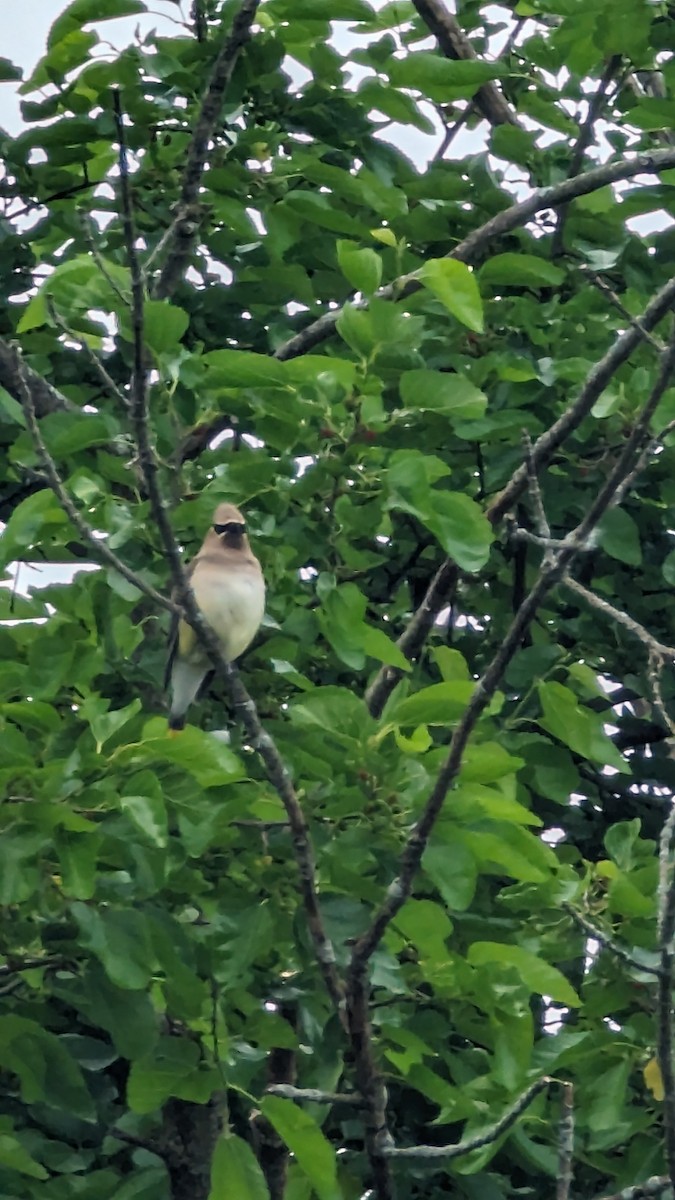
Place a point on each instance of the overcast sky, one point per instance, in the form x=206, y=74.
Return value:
x=23, y=35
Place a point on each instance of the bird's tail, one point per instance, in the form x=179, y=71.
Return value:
x=186, y=680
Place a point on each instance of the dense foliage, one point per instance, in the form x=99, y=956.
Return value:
x=158, y=969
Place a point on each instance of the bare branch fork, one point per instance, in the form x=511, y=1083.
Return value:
x=552, y=570
x=454, y=43
x=276, y=771
x=414, y=636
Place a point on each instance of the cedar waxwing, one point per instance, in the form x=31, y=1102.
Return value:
x=229, y=588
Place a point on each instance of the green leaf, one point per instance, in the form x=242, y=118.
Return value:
x=462, y=529
x=13, y=1157
x=81, y=12
x=29, y=520
x=363, y=268
x=455, y=285
x=120, y=939
x=148, y=814
x=69, y=433
x=520, y=270
x=459, y=524
x=162, y=1073
x=619, y=536
x=620, y=841
x=46, y=1071
x=104, y=725
x=241, y=368
x=437, y=391
x=440, y=79
x=503, y=849
x=451, y=867
x=428, y=926
x=163, y=325
x=668, y=568
x=77, y=862
x=576, y=727
x=35, y=314
x=210, y=762
x=355, y=328
x=9, y=73
x=302, y=1135
x=235, y=1171
x=537, y=975
x=440, y=704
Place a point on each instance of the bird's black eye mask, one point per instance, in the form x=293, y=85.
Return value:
x=237, y=527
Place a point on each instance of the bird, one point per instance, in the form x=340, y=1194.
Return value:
x=228, y=585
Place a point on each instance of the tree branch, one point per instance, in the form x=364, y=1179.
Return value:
x=100, y=552
x=664, y=1033
x=454, y=43
x=480, y=1139
x=565, y=1143
x=314, y=1095
x=555, y=564
x=552, y=570
x=650, y=643
x=503, y=222
x=180, y=238
x=608, y=942
x=649, y=1190
x=441, y=586
x=595, y=105
x=604, y=287
x=107, y=382
x=16, y=375
x=263, y=743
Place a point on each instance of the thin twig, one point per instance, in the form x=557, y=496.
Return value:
x=655, y=668
x=608, y=942
x=604, y=287
x=46, y=398
x=260, y=739
x=108, y=383
x=565, y=1143
x=184, y=228
x=132, y=1139
x=651, y=644
x=541, y=522
x=314, y=1095
x=649, y=1190
x=100, y=552
x=664, y=1033
x=595, y=105
x=90, y=240
x=650, y=448
x=486, y=1138
x=14, y=966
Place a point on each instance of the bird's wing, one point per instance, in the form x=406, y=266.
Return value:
x=178, y=634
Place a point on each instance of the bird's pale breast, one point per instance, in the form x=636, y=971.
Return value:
x=233, y=606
